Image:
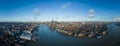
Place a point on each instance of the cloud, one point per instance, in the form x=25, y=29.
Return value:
x=73, y=17
x=36, y=11
x=116, y=18
x=56, y=18
x=65, y=17
x=66, y=5
x=91, y=13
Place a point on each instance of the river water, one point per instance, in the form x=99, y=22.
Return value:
x=53, y=38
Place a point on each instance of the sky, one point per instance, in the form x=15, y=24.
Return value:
x=59, y=10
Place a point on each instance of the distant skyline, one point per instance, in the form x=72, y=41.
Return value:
x=59, y=10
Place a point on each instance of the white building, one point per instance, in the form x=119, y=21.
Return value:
x=26, y=36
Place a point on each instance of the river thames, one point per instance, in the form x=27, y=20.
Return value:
x=49, y=37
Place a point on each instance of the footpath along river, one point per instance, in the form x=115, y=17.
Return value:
x=53, y=38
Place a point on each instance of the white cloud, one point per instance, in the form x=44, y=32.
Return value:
x=66, y=5
x=36, y=11
x=56, y=18
x=91, y=13
x=65, y=17
x=116, y=18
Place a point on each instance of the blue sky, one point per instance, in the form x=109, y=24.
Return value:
x=59, y=10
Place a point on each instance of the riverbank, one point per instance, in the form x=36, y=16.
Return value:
x=90, y=30
x=16, y=34
x=54, y=38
